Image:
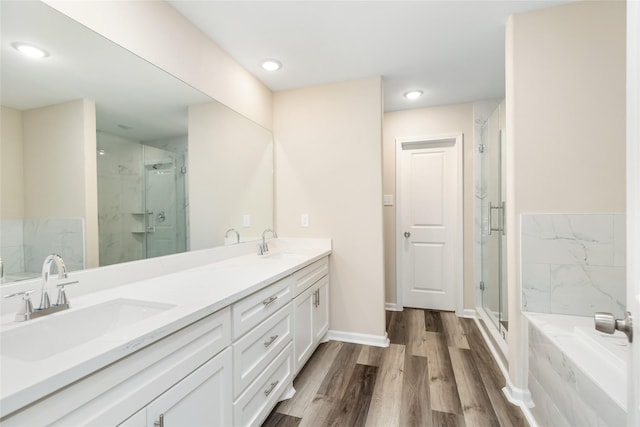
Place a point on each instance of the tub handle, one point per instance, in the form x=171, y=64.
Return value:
x=605, y=322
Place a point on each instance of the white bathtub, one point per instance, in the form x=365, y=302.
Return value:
x=576, y=372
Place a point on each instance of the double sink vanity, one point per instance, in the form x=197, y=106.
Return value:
x=196, y=342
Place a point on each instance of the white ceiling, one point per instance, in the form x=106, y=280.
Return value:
x=452, y=50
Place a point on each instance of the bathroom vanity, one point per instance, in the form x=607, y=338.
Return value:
x=217, y=344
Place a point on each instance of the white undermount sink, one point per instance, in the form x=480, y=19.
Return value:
x=59, y=332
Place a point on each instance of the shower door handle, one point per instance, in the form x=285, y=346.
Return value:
x=605, y=322
x=500, y=227
x=151, y=224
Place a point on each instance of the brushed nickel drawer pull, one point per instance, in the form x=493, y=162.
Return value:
x=271, y=340
x=270, y=300
x=270, y=389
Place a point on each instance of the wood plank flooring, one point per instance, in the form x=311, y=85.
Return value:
x=437, y=371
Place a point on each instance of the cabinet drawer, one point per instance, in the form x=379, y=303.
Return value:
x=310, y=274
x=253, y=406
x=254, y=309
x=254, y=351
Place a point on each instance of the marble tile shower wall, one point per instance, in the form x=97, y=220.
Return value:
x=120, y=199
x=26, y=243
x=573, y=263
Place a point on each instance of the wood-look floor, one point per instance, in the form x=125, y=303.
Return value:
x=437, y=371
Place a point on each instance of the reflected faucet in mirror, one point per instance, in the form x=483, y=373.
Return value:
x=264, y=247
x=226, y=234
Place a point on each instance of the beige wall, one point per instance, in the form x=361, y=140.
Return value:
x=565, y=75
x=425, y=122
x=158, y=33
x=233, y=160
x=328, y=165
x=11, y=168
x=60, y=177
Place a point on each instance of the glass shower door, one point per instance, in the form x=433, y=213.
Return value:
x=164, y=191
x=493, y=285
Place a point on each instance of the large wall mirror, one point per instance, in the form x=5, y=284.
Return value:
x=106, y=158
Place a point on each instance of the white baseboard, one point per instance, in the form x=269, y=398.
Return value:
x=392, y=306
x=365, y=339
x=517, y=396
x=469, y=313
x=522, y=398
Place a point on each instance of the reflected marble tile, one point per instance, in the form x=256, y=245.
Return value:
x=45, y=236
x=11, y=232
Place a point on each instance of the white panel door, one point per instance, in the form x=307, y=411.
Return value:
x=429, y=211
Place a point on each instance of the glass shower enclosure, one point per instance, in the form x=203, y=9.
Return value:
x=142, y=199
x=493, y=284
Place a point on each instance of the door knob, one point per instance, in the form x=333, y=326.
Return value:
x=407, y=234
x=605, y=322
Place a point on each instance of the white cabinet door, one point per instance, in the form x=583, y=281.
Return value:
x=320, y=313
x=201, y=399
x=311, y=320
x=303, y=344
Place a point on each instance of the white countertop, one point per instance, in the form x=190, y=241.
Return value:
x=196, y=293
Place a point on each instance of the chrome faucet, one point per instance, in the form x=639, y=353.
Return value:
x=26, y=311
x=46, y=272
x=264, y=247
x=226, y=234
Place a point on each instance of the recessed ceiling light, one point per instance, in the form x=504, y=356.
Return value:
x=271, y=64
x=413, y=94
x=30, y=50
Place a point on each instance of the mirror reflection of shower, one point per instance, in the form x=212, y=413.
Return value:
x=142, y=198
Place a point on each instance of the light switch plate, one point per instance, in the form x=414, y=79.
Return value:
x=246, y=220
x=388, y=200
x=304, y=220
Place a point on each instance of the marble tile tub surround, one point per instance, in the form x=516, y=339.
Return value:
x=26, y=243
x=574, y=263
x=571, y=384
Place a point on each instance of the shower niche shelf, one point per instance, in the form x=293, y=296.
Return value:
x=139, y=223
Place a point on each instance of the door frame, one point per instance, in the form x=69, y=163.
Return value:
x=433, y=140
